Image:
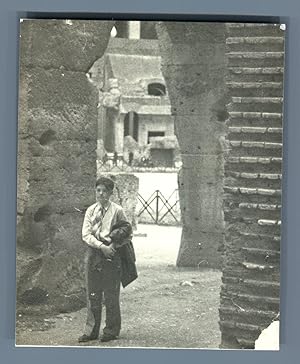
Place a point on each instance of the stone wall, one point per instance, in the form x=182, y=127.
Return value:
x=56, y=156
x=251, y=273
x=193, y=65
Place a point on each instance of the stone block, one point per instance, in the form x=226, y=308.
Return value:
x=57, y=157
x=56, y=90
x=188, y=84
x=63, y=44
x=71, y=121
x=189, y=33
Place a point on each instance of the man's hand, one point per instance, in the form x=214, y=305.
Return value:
x=104, y=240
x=108, y=251
x=108, y=240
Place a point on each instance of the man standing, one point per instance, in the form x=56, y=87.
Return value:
x=130, y=158
x=107, y=232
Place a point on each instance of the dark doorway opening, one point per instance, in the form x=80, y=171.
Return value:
x=131, y=125
x=153, y=134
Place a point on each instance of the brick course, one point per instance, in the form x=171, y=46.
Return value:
x=252, y=191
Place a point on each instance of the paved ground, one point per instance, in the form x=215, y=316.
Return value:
x=157, y=245
x=165, y=307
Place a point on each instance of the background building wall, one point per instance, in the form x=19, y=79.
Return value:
x=148, y=123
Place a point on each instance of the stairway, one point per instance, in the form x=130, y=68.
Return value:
x=252, y=191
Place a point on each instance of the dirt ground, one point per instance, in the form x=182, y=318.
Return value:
x=165, y=307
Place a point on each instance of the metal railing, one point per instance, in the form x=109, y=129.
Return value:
x=159, y=209
x=123, y=166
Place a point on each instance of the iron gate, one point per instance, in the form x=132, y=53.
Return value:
x=159, y=209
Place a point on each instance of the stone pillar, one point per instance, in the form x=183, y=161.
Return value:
x=120, y=133
x=111, y=103
x=56, y=156
x=193, y=65
x=134, y=29
x=118, y=128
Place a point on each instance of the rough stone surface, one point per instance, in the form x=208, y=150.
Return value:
x=51, y=44
x=56, y=156
x=193, y=65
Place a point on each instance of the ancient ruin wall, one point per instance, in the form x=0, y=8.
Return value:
x=193, y=65
x=56, y=156
x=250, y=289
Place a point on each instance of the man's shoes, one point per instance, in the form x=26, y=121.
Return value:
x=84, y=338
x=106, y=337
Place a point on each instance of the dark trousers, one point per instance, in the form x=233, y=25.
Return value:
x=103, y=286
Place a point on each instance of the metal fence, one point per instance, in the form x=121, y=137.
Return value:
x=158, y=209
x=123, y=167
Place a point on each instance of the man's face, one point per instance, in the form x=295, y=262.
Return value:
x=103, y=194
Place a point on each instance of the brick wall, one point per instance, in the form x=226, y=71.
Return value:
x=252, y=203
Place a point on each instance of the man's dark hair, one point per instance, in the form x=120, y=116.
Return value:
x=107, y=182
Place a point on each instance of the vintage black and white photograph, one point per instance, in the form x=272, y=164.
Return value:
x=149, y=184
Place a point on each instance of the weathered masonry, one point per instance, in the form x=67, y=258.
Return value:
x=252, y=204
x=193, y=65
x=56, y=156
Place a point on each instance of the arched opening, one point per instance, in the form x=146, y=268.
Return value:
x=131, y=125
x=156, y=89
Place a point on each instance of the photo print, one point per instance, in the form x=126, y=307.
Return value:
x=149, y=184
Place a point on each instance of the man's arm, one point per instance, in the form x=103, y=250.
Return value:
x=87, y=235
x=90, y=239
x=122, y=231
